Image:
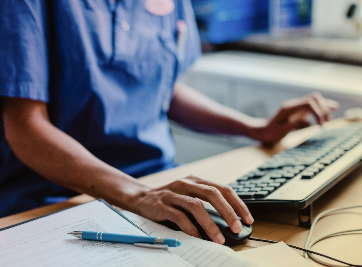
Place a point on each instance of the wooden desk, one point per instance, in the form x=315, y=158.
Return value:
x=280, y=226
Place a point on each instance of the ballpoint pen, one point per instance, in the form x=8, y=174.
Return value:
x=142, y=241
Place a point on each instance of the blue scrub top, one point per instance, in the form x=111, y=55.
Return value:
x=106, y=69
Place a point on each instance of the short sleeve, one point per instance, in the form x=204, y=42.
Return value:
x=24, y=70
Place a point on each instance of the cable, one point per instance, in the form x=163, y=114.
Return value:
x=329, y=236
x=323, y=214
x=305, y=250
x=307, y=245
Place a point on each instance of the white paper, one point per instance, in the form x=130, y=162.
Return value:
x=277, y=254
x=194, y=250
x=45, y=242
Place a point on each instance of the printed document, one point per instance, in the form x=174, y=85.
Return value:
x=196, y=251
x=45, y=242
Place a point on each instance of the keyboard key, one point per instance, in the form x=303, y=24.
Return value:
x=318, y=165
x=292, y=170
x=258, y=188
x=281, y=180
x=276, y=176
x=261, y=194
x=312, y=169
x=237, y=189
x=275, y=184
x=257, y=174
x=268, y=189
x=288, y=175
x=307, y=175
x=246, y=195
x=244, y=190
x=253, y=190
x=299, y=167
x=243, y=179
x=326, y=161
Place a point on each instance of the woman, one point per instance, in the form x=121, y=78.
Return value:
x=87, y=90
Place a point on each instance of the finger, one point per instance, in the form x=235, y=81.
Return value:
x=237, y=204
x=196, y=208
x=178, y=217
x=322, y=103
x=333, y=105
x=314, y=109
x=292, y=110
x=211, y=192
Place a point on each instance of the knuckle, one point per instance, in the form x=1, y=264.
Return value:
x=230, y=213
x=228, y=190
x=213, y=191
x=194, y=178
x=165, y=194
x=195, y=204
x=317, y=95
x=178, y=216
x=181, y=182
x=311, y=104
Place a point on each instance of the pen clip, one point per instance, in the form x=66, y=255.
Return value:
x=154, y=246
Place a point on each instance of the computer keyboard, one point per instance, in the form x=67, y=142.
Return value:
x=296, y=177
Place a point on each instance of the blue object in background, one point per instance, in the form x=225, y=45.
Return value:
x=289, y=14
x=223, y=21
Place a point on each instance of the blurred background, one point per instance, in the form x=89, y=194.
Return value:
x=259, y=53
x=223, y=22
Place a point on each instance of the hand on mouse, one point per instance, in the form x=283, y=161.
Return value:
x=167, y=202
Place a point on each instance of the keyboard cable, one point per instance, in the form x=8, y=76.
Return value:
x=308, y=253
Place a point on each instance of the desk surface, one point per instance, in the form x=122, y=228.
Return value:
x=279, y=226
x=339, y=50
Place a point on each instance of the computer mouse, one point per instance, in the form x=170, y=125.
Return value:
x=231, y=239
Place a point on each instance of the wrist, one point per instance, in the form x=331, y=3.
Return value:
x=130, y=196
x=256, y=128
x=121, y=190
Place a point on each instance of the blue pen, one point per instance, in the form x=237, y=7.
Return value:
x=143, y=241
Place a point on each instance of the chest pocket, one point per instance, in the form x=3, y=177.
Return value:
x=144, y=45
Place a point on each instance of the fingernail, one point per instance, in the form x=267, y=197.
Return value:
x=220, y=239
x=237, y=227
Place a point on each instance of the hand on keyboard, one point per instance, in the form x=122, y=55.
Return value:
x=293, y=114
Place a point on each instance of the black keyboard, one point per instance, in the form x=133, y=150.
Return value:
x=296, y=177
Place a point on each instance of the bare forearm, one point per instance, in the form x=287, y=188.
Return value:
x=61, y=159
x=201, y=113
